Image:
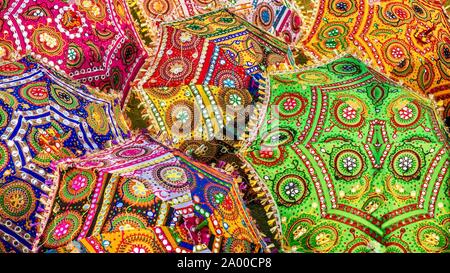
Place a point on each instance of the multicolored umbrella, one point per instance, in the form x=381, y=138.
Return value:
x=244, y=44
x=197, y=113
x=92, y=41
x=408, y=40
x=44, y=117
x=143, y=185
x=204, y=66
x=349, y=161
x=184, y=58
x=278, y=17
x=149, y=14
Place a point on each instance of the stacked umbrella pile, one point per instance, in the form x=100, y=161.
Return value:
x=291, y=126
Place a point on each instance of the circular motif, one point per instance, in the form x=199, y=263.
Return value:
x=349, y=164
x=426, y=74
x=215, y=195
x=126, y=221
x=176, y=69
x=63, y=97
x=234, y=98
x=264, y=16
x=35, y=93
x=432, y=239
x=332, y=37
x=75, y=56
x=17, y=201
x=128, y=53
x=70, y=22
x=291, y=189
x=405, y=114
x=290, y=105
x=174, y=178
x=199, y=150
x=299, y=228
x=77, y=185
x=137, y=193
x=395, y=14
x=228, y=79
x=47, y=41
x=96, y=10
x=268, y=156
x=349, y=112
x=62, y=229
x=184, y=40
x=420, y=11
x=181, y=117
x=140, y=241
x=132, y=152
x=157, y=8
x=398, y=57
x=406, y=164
x=342, y=8
x=323, y=238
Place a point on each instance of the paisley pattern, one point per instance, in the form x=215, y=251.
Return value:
x=361, y=168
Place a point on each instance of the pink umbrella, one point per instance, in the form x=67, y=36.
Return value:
x=92, y=41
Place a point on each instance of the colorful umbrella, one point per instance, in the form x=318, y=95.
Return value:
x=44, y=117
x=244, y=44
x=197, y=113
x=143, y=185
x=278, y=17
x=149, y=14
x=349, y=161
x=408, y=40
x=204, y=66
x=184, y=58
x=90, y=40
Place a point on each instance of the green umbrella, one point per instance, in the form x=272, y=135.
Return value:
x=345, y=160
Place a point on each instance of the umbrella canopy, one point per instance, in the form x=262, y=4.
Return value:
x=245, y=44
x=349, y=161
x=44, y=117
x=149, y=14
x=218, y=60
x=91, y=41
x=408, y=40
x=280, y=18
x=185, y=58
x=198, y=113
x=143, y=185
